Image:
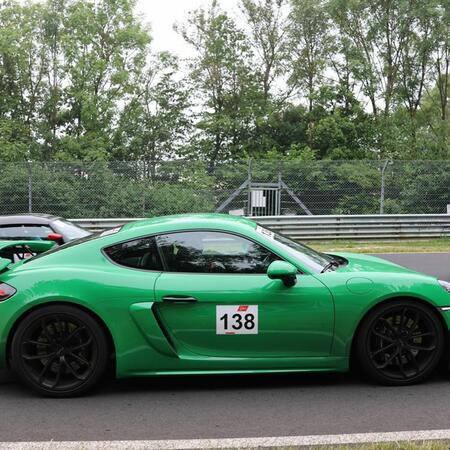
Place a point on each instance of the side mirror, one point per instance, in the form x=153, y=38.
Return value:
x=281, y=270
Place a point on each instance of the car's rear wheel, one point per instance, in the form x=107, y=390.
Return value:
x=400, y=343
x=59, y=351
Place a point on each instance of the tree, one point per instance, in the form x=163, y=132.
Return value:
x=441, y=30
x=22, y=70
x=227, y=93
x=154, y=123
x=104, y=50
x=377, y=32
x=54, y=16
x=66, y=66
x=309, y=45
x=266, y=20
x=415, y=57
x=325, y=79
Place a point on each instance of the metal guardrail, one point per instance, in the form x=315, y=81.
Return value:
x=332, y=227
x=360, y=227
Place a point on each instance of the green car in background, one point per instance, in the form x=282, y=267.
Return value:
x=210, y=294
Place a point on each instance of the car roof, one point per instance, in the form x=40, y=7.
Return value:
x=194, y=220
x=37, y=219
x=156, y=225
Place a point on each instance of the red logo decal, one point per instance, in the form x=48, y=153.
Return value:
x=242, y=308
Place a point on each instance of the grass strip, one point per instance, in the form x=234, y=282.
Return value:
x=440, y=245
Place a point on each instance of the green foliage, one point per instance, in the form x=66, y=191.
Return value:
x=266, y=20
x=102, y=189
x=65, y=68
x=221, y=74
x=347, y=79
x=309, y=45
x=154, y=122
x=431, y=191
x=177, y=199
x=14, y=187
x=14, y=145
x=294, y=85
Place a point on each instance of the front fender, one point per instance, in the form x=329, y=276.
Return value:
x=351, y=305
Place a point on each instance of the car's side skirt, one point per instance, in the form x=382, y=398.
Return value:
x=218, y=366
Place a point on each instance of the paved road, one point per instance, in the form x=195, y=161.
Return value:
x=252, y=406
x=436, y=264
x=219, y=407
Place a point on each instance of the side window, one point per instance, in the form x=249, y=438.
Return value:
x=213, y=252
x=138, y=254
x=28, y=232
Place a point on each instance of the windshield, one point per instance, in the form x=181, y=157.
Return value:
x=24, y=232
x=69, y=230
x=312, y=259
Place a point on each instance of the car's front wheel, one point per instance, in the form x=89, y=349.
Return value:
x=59, y=351
x=400, y=343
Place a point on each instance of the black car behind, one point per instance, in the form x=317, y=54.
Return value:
x=39, y=227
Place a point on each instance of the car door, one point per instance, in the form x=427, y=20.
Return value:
x=215, y=299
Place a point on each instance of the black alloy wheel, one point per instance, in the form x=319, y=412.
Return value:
x=59, y=351
x=400, y=343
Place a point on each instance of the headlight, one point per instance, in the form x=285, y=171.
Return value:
x=445, y=285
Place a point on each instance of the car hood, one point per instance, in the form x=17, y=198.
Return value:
x=365, y=263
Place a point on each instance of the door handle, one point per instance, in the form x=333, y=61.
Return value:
x=179, y=299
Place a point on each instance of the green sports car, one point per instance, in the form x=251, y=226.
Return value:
x=209, y=294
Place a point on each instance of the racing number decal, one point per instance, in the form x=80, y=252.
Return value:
x=237, y=319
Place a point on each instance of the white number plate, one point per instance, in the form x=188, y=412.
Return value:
x=237, y=319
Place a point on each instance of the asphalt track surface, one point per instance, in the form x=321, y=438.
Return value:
x=233, y=406
x=436, y=264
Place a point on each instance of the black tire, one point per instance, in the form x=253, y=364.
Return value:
x=59, y=351
x=400, y=343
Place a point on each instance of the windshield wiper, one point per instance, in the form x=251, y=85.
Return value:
x=334, y=263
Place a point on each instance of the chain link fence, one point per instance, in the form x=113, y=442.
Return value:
x=253, y=188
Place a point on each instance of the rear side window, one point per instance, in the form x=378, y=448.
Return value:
x=139, y=254
x=25, y=232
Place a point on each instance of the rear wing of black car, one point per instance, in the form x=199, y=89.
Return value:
x=14, y=251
